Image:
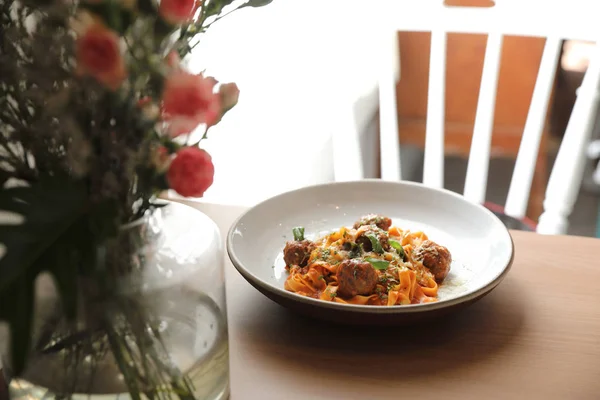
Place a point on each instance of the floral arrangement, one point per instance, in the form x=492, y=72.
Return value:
x=98, y=116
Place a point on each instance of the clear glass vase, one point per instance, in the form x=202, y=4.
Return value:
x=164, y=331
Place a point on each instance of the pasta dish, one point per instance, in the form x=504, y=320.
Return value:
x=372, y=263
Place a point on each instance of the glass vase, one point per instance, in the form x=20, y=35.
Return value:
x=163, y=332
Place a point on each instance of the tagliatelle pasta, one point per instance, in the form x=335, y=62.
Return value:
x=370, y=263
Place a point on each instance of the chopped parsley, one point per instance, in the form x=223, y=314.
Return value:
x=356, y=251
x=298, y=233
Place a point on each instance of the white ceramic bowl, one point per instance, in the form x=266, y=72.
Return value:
x=481, y=246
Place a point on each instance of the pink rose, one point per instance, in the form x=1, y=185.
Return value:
x=178, y=11
x=188, y=100
x=191, y=172
x=98, y=55
x=180, y=126
x=230, y=94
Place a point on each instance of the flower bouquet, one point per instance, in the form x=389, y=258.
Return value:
x=98, y=116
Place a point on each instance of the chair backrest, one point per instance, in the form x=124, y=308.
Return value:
x=553, y=20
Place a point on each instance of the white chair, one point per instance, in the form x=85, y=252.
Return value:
x=301, y=69
x=593, y=153
x=554, y=20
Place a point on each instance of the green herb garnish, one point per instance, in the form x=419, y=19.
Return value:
x=399, y=248
x=378, y=264
x=375, y=243
x=298, y=233
x=356, y=250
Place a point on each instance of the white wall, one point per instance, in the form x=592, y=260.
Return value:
x=300, y=73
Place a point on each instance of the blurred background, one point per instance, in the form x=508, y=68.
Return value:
x=308, y=80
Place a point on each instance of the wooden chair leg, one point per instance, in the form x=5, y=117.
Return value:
x=538, y=185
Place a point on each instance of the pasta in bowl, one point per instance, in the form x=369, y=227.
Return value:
x=305, y=250
x=370, y=263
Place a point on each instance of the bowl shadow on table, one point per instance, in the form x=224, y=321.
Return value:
x=463, y=338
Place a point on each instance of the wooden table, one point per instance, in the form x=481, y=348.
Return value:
x=536, y=336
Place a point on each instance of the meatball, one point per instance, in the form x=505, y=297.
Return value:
x=363, y=239
x=373, y=219
x=355, y=277
x=436, y=258
x=298, y=252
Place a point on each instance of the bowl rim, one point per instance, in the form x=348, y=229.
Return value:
x=395, y=309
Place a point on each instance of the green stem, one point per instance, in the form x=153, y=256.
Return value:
x=130, y=50
x=199, y=28
x=190, y=49
x=222, y=16
x=205, y=136
x=130, y=381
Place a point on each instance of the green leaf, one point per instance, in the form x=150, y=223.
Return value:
x=20, y=325
x=257, y=3
x=399, y=248
x=298, y=233
x=103, y=221
x=158, y=205
x=63, y=261
x=375, y=243
x=4, y=176
x=49, y=208
x=378, y=264
x=214, y=7
x=18, y=312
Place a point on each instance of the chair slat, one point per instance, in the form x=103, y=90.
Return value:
x=388, y=113
x=433, y=165
x=479, y=158
x=567, y=172
x=520, y=185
